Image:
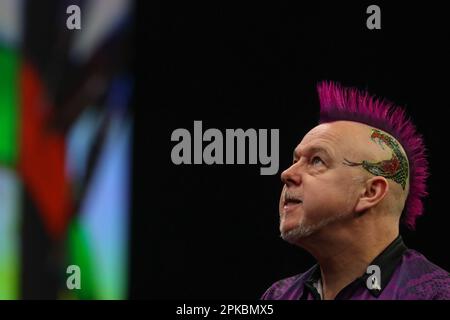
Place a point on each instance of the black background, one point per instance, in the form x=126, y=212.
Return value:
x=211, y=232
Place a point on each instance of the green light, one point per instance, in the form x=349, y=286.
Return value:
x=80, y=255
x=9, y=106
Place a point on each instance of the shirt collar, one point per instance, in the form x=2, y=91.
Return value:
x=386, y=261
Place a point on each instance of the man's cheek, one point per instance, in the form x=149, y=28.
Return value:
x=318, y=208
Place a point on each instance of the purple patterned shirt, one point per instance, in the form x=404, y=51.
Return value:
x=405, y=274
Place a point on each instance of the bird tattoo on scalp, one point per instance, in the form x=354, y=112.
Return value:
x=395, y=168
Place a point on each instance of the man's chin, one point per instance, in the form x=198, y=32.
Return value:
x=297, y=234
x=305, y=230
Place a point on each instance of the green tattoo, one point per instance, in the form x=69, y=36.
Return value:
x=395, y=168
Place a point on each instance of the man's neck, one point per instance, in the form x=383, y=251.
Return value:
x=344, y=258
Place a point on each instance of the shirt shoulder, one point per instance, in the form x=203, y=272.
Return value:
x=279, y=289
x=290, y=288
x=425, y=280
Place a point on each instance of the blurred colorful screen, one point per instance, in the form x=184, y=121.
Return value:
x=65, y=148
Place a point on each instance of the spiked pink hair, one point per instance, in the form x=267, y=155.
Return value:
x=340, y=103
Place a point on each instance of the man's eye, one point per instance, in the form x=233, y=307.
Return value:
x=316, y=160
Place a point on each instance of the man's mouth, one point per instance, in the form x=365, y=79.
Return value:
x=291, y=201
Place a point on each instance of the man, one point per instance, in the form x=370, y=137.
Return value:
x=351, y=178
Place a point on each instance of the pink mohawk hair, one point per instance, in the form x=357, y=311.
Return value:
x=341, y=103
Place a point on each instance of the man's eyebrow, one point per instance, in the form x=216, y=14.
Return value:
x=313, y=149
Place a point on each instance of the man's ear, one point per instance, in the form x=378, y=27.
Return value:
x=375, y=189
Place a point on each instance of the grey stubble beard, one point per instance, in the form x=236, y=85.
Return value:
x=305, y=230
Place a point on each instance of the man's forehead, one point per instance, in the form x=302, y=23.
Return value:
x=340, y=131
x=347, y=138
x=321, y=134
x=334, y=137
x=316, y=141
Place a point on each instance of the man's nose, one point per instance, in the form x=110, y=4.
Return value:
x=291, y=176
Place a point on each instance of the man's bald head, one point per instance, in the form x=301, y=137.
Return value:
x=339, y=103
x=342, y=170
